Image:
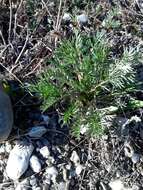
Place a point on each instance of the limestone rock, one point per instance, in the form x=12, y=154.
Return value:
x=35, y=164
x=82, y=19
x=18, y=160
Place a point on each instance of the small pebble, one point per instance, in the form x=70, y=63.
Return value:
x=37, y=131
x=75, y=158
x=62, y=186
x=68, y=166
x=35, y=164
x=21, y=187
x=44, y=151
x=18, y=160
x=82, y=19
x=2, y=148
x=8, y=147
x=52, y=173
x=33, y=181
x=67, y=17
x=50, y=160
x=36, y=188
x=135, y=158
x=47, y=181
x=46, y=186
x=79, y=169
x=5, y=148
x=83, y=129
x=116, y=185
x=12, y=188
x=135, y=187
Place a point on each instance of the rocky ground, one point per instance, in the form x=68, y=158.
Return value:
x=47, y=156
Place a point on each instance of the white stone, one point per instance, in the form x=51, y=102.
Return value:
x=2, y=149
x=44, y=151
x=62, y=186
x=66, y=17
x=37, y=131
x=135, y=158
x=136, y=119
x=83, y=129
x=75, y=158
x=22, y=185
x=79, y=169
x=35, y=164
x=82, y=19
x=19, y=187
x=52, y=173
x=18, y=160
x=116, y=185
x=8, y=147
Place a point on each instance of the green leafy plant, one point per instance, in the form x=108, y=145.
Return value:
x=110, y=20
x=85, y=76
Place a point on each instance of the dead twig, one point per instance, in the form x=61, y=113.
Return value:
x=20, y=54
x=34, y=68
x=2, y=38
x=23, y=49
x=12, y=74
x=15, y=20
x=58, y=16
x=10, y=21
x=45, y=5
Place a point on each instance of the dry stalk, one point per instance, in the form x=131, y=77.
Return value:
x=10, y=21
x=20, y=54
x=46, y=7
x=15, y=20
x=11, y=73
x=4, y=42
x=58, y=16
x=38, y=65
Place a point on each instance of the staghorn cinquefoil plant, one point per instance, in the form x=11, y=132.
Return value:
x=83, y=74
x=111, y=20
